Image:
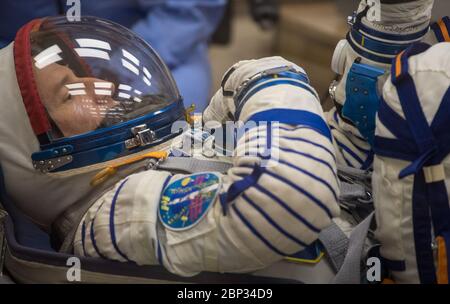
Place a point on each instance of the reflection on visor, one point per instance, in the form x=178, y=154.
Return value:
x=94, y=74
x=131, y=109
x=48, y=56
x=130, y=62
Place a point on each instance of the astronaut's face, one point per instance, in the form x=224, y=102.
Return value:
x=72, y=102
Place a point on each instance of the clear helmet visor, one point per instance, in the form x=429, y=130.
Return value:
x=95, y=74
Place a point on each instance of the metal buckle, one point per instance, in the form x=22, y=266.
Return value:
x=351, y=20
x=332, y=89
x=258, y=76
x=52, y=164
x=273, y=71
x=142, y=137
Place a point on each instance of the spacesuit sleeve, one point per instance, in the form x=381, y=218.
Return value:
x=352, y=149
x=175, y=28
x=280, y=193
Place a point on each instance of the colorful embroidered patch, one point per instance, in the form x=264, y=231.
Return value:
x=186, y=201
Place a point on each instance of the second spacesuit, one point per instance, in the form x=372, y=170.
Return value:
x=406, y=135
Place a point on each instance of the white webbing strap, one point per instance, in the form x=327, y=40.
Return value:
x=335, y=243
x=192, y=165
x=349, y=192
x=350, y=272
x=434, y=173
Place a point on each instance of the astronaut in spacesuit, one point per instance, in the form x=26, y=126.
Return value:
x=102, y=144
x=100, y=109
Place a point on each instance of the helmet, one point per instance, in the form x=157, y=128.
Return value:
x=93, y=92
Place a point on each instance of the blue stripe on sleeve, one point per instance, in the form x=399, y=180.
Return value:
x=288, y=209
x=336, y=119
x=310, y=157
x=255, y=137
x=159, y=251
x=313, y=176
x=112, y=230
x=83, y=237
x=294, y=117
x=301, y=190
x=349, y=152
x=92, y=232
x=347, y=162
x=310, y=142
x=272, y=222
x=256, y=233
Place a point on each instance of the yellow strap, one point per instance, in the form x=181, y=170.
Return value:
x=388, y=281
x=298, y=260
x=442, y=273
x=398, y=64
x=109, y=171
x=434, y=173
x=188, y=114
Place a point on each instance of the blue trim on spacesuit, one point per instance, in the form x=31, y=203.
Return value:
x=256, y=232
x=238, y=187
x=301, y=190
x=438, y=31
x=272, y=222
x=368, y=55
x=386, y=48
x=83, y=237
x=159, y=250
x=359, y=26
x=118, y=132
x=281, y=203
x=294, y=117
x=284, y=78
x=312, y=143
x=336, y=119
x=366, y=37
x=112, y=230
x=109, y=143
x=286, y=207
x=349, y=152
x=309, y=156
x=431, y=147
x=92, y=236
x=362, y=98
x=313, y=176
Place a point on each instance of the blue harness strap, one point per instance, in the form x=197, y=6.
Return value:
x=367, y=31
x=441, y=29
x=377, y=45
x=425, y=146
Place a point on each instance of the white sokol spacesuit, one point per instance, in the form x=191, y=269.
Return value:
x=410, y=179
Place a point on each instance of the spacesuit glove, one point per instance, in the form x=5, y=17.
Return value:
x=223, y=104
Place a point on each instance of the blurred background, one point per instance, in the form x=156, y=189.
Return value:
x=303, y=31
